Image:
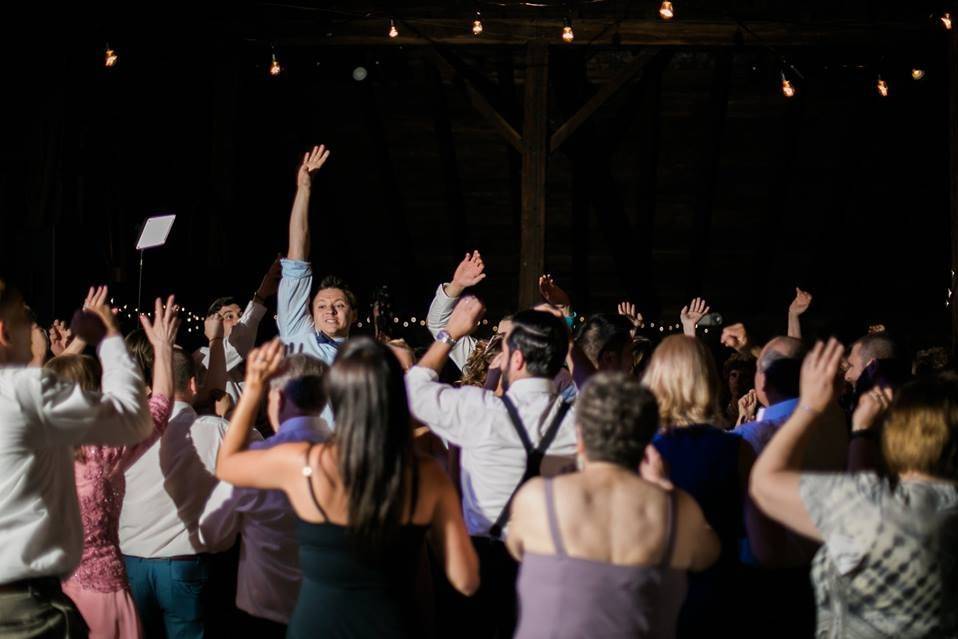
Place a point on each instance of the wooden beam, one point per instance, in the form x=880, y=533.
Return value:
x=479, y=101
x=953, y=177
x=717, y=110
x=459, y=240
x=534, y=155
x=588, y=32
x=606, y=91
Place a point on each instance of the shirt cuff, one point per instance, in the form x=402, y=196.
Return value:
x=111, y=348
x=441, y=292
x=296, y=268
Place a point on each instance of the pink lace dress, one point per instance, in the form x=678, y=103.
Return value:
x=99, y=585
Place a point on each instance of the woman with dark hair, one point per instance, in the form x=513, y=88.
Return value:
x=604, y=551
x=365, y=500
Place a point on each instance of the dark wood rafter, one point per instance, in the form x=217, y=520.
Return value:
x=460, y=239
x=509, y=102
x=953, y=175
x=596, y=31
x=708, y=182
x=478, y=99
x=534, y=155
x=646, y=192
x=606, y=91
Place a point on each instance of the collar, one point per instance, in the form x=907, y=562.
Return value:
x=323, y=338
x=532, y=386
x=777, y=412
x=180, y=407
x=305, y=424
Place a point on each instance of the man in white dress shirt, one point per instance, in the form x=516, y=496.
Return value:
x=503, y=439
x=269, y=577
x=166, y=491
x=43, y=419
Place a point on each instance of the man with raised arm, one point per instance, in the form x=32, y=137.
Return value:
x=43, y=419
x=316, y=328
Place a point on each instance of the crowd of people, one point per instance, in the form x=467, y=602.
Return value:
x=570, y=479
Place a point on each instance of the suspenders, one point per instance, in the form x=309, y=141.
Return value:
x=534, y=455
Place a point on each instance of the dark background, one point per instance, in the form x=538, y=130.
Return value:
x=838, y=191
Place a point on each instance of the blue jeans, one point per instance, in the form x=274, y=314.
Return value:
x=170, y=595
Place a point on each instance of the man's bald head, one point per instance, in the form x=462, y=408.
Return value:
x=777, y=370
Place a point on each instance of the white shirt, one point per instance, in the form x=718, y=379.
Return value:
x=41, y=419
x=236, y=347
x=493, y=459
x=167, y=488
x=436, y=319
x=268, y=579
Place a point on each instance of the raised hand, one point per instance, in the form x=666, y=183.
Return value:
x=213, y=327
x=60, y=337
x=801, y=302
x=270, y=284
x=471, y=271
x=747, y=405
x=263, y=363
x=691, y=314
x=465, y=317
x=553, y=293
x=628, y=309
x=312, y=162
x=95, y=297
x=38, y=346
x=735, y=337
x=871, y=406
x=818, y=375
x=162, y=330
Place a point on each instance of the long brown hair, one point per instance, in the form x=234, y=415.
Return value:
x=367, y=394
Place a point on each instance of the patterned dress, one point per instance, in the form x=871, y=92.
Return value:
x=99, y=586
x=889, y=565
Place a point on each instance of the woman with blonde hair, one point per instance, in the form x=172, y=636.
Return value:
x=707, y=462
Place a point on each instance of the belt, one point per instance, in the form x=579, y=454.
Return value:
x=34, y=583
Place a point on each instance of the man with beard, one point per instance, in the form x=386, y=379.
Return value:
x=504, y=440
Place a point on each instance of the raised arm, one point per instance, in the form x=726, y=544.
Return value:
x=776, y=475
x=798, y=306
x=119, y=414
x=299, y=216
x=469, y=272
x=242, y=337
x=267, y=468
x=691, y=314
x=214, y=381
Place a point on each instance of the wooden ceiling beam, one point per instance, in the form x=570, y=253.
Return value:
x=592, y=31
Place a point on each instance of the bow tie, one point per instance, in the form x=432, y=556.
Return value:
x=323, y=338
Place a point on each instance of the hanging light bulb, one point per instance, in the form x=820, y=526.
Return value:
x=666, y=11
x=274, y=67
x=946, y=20
x=477, y=25
x=787, y=89
x=567, y=33
x=917, y=74
x=110, y=57
x=882, y=87
x=393, y=31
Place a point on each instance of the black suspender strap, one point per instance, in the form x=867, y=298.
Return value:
x=534, y=455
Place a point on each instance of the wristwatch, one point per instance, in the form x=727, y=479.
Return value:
x=445, y=338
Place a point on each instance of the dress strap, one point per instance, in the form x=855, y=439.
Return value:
x=670, y=542
x=308, y=474
x=553, y=519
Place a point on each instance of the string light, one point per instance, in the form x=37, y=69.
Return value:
x=666, y=11
x=882, y=87
x=917, y=74
x=567, y=33
x=274, y=67
x=946, y=21
x=787, y=89
x=393, y=31
x=477, y=25
x=110, y=57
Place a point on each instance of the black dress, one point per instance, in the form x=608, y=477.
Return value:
x=348, y=593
